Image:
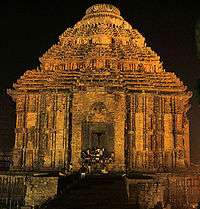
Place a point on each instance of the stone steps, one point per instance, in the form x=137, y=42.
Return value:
x=94, y=192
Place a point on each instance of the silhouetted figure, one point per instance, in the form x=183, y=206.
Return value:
x=83, y=171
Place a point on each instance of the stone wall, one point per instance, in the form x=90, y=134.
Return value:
x=144, y=192
x=180, y=191
x=12, y=190
x=42, y=128
x=184, y=190
x=20, y=190
x=40, y=190
x=157, y=135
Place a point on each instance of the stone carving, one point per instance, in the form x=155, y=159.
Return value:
x=101, y=60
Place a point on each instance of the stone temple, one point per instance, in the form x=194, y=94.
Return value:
x=102, y=88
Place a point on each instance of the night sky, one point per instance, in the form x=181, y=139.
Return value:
x=29, y=29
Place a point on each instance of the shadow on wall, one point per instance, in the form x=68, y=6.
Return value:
x=7, y=130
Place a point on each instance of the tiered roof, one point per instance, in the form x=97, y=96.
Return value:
x=101, y=50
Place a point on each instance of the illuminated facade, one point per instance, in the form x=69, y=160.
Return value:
x=101, y=86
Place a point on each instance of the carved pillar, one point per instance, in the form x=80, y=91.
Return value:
x=179, y=138
x=187, y=142
x=31, y=125
x=139, y=131
x=130, y=131
x=186, y=129
x=158, y=131
x=149, y=131
x=43, y=139
x=119, y=121
x=61, y=131
x=168, y=133
x=19, y=148
x=77, y=109
x=128, y=151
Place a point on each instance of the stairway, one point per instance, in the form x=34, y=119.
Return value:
x=92, y=192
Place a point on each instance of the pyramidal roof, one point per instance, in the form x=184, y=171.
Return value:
x=102, y=34
x=104, y=50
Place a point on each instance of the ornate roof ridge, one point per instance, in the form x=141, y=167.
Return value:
x=98, y=8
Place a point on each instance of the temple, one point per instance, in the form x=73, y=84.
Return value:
x=99, y=124
x=101, y=87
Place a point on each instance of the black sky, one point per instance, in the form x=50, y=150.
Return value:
x=28, y=29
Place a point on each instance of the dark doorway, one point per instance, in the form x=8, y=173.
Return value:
x=98, y=139
x=98, y=135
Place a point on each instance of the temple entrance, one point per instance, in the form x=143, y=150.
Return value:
x=97, y=146
x=98, y=135
x=98, y=139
